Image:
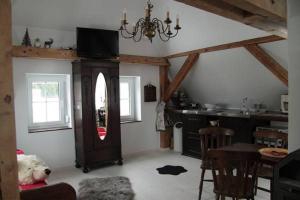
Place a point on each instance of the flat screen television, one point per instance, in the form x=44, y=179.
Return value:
x=97, y=43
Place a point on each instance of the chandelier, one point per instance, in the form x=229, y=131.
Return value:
x=149, y=27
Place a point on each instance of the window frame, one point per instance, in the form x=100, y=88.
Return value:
x=65, y=118
x=132, y=98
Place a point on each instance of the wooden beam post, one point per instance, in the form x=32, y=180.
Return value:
x=280, y=72
x=163, y=79
x=8, y=160
x=188, y=64
x=165, y=136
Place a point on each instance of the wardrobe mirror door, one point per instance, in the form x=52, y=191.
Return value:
x=101, y=106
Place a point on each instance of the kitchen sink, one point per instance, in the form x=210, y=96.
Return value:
x=233, y=113
x=225, y=113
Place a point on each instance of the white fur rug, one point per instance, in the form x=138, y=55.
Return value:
x=111, y=188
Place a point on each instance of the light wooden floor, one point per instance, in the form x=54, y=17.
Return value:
x=146, y=182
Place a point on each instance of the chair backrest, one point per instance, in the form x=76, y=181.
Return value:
x=271, y=138
x=214, y=137
x=234, y=172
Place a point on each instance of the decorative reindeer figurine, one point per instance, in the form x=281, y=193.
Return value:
x=48, y=43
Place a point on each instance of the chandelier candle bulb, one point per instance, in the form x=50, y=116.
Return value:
x=124, y=14
x=168, y=14
x=177, y=20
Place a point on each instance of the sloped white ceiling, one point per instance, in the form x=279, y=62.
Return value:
x=67, y=14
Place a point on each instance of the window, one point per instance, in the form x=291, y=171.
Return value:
x=130, y=98
x=48, y=101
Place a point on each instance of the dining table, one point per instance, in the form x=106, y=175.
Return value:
x=246, y=147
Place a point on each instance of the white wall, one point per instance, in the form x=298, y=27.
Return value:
x=57, y=148
x=58, y=19
x=66, y=15
x=294, y=73
x=141, y=136
x=224, y=76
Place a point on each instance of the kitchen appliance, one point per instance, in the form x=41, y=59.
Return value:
x=177, y=132
x=284, y=103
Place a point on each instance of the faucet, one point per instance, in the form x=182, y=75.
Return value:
x=245, y=109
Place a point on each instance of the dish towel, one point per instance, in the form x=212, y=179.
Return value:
x=160, y=119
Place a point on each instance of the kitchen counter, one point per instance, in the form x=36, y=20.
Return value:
x=269, y=115
x=272, y=116
x=193, y=120
x=243, y=125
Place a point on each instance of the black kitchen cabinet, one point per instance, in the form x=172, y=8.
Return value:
x=190, y=134
x=242, y=127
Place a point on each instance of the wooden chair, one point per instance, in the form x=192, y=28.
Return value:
x=269, y=139
x=234, y=173
x=60, y=191
x=211, y=138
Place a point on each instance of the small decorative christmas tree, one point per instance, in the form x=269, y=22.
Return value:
x=26, y=39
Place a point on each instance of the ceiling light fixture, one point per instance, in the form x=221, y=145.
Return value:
x=148, y=27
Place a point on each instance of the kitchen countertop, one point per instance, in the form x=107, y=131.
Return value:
x=268, y=115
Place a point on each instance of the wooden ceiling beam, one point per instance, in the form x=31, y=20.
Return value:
x=279, y=71
x=232, y=45
x=217, y=7
x=147, y=60
x=8, y=160
x=43, y=53
x=51, y=53
x=184, y=70
x=261, y=14
x=272, y=9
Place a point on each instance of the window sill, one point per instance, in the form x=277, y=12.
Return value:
x=130, y=121
x=48, y=129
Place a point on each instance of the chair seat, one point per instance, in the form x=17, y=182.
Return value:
x=232, y=188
